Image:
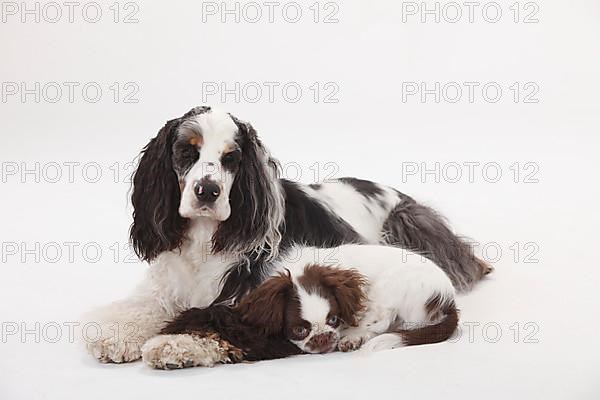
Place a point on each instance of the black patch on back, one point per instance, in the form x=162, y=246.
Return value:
x=315, y=186
x=309, y=223
x=366, y=188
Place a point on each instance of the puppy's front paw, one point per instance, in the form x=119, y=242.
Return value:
x=350, y=343
x=111, y=349
x=183, y=351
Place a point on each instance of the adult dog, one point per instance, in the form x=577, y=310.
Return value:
x=212, y=216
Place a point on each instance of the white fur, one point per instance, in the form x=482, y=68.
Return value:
x=175, y=281
x=313, y=306
x=384, y=341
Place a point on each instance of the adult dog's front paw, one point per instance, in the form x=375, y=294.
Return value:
x=183, y=351
x=350, y=343
x=111, y=349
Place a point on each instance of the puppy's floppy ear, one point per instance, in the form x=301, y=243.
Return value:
x=256, y=199
x=348, y=287
x=157, y=225
x=264, y=307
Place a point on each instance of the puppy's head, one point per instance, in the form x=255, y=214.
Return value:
x=308, y=310
x=205, y=164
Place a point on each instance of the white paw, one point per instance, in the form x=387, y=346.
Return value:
x=182, y=351
x=110, y=349
x=350, y=343
x=117, y=331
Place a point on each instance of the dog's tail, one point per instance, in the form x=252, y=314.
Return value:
x=421, y=229
x=440, y=309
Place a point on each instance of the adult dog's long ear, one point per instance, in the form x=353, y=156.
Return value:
x=264, y=307
x=157, y=225
x=256, y=199
x=348, y=287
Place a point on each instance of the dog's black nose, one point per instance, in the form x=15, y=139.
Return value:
x=207, y=191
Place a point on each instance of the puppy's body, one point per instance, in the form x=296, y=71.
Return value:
x=405, y=293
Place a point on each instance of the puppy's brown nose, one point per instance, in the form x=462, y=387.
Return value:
x=322, y=343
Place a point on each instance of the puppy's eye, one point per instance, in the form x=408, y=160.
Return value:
x=300, y=332
x=333, y=321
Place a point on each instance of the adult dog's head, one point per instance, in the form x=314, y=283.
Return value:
x=206, y=165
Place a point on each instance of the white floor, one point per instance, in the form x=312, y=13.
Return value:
x=555, y=356
x=534, y=321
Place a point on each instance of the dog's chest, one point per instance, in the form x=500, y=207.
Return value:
x=201, y=278
x=207, y=280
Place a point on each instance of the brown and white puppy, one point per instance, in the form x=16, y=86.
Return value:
x=382, y=296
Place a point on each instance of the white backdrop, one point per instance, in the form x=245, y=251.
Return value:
x=491, y=115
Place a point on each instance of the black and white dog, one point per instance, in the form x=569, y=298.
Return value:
x=212, y=217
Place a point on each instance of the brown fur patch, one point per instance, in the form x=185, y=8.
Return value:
x=196, y=140
x=347, y=286
x=265, y=306
x=443, y=315
x=230, y=147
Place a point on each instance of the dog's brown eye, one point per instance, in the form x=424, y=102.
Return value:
x=300, y=332
x=333, y=320
x=231, y=157
x=184, y=156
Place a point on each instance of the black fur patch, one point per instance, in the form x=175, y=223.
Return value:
x=157, y=225
x=185, y=156
x=231, y=161
x=366, y=188
x=307, y=222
